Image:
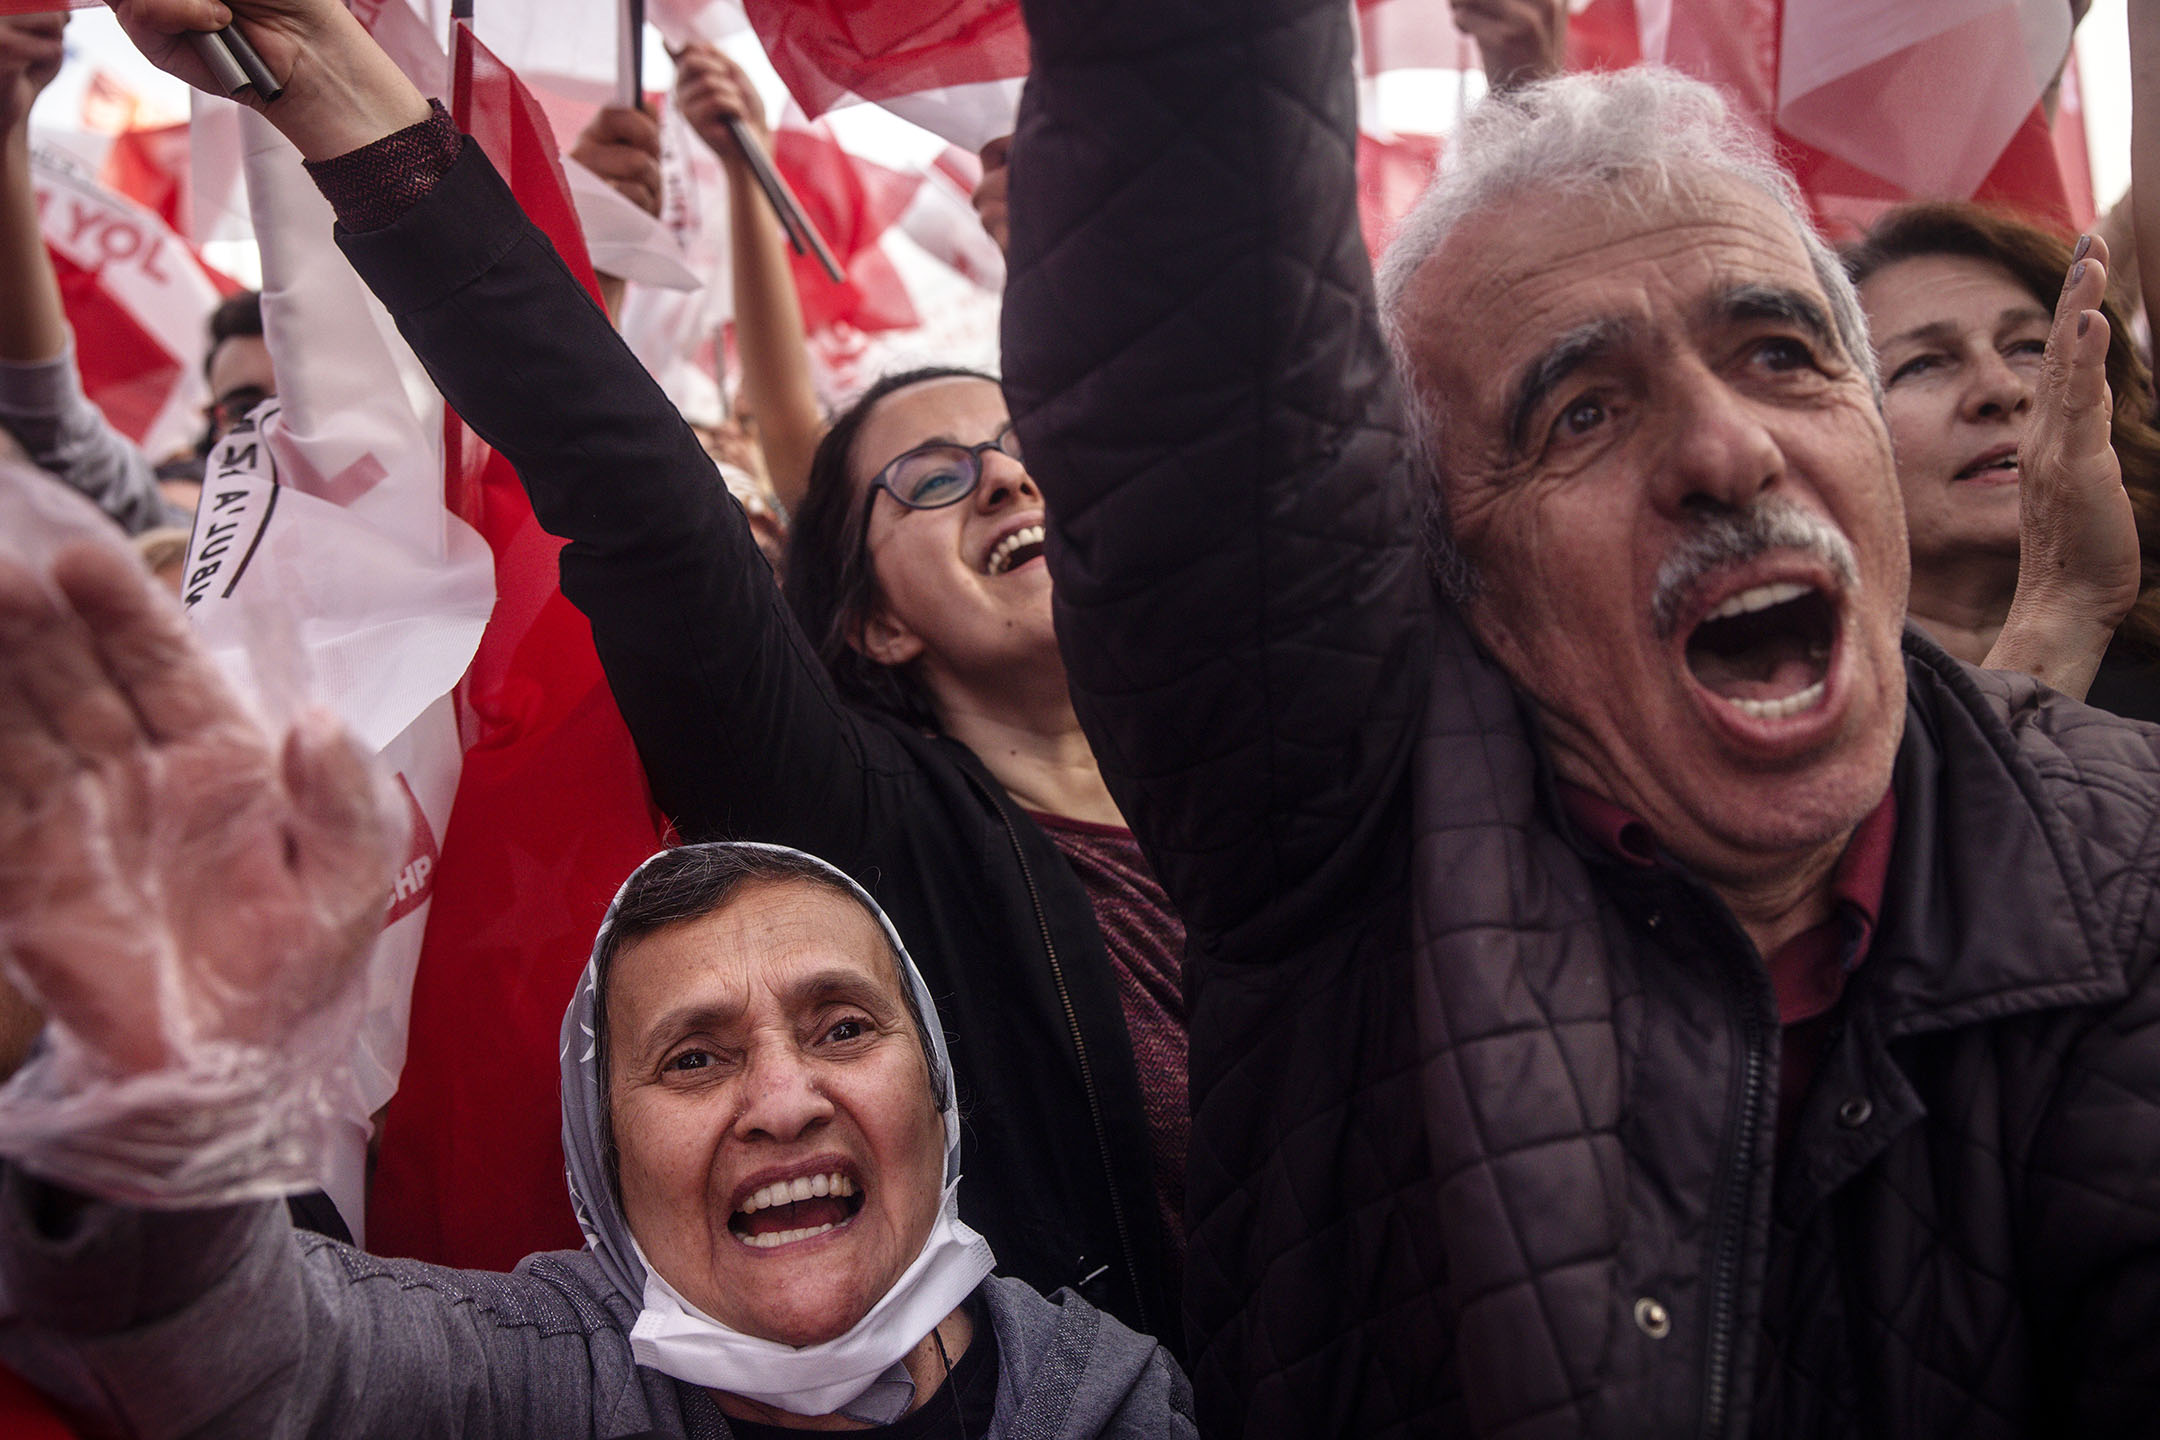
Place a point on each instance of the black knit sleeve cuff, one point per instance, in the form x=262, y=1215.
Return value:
x=371, y=187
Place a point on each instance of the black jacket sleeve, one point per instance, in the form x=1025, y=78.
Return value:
x=738, y=725
x=1196, y=367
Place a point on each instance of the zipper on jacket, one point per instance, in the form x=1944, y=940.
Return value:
x=1087, y=1070
x=1735, y=1206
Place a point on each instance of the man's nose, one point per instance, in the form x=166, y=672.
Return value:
x=1721, y=454
x=781, y=1097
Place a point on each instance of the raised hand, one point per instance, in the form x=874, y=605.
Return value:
x=2078, y=557
x=622, y=146
x=172, y=880
x=712, y=90
x=341, y=90
x=1518, y=40
x=991, y=203
x=30, y=51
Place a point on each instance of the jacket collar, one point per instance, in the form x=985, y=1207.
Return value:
x=1989, y=910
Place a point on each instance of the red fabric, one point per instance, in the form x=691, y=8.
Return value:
x=551, y=813
x=828, y=49
x=125, y=371
x=1146, y=943
x=1391, y=175
x=150, y=167
x=24, y=1415
x=2073, y=161
x=852, y=202
x=2030, y=177
x=1808, y=972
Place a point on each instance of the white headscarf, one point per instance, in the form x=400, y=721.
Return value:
x=858, y=1374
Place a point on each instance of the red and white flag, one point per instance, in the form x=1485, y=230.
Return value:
x=324, y=566
x=137, y=299
x=1870, y=105
x=551, y=813
x=954, y=67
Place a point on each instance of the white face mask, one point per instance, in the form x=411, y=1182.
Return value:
x=858, y=1374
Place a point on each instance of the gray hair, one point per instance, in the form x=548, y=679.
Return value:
x=1641, y=136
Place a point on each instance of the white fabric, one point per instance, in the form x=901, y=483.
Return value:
x=1924, y=94
x=851, y=1375
x=324, y=565
x=621, y=238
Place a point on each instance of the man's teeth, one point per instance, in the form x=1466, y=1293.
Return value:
x=1792, y=704
x=1002, y=555
x=1762, y=597
x=802, y=1187
x=783, y=1237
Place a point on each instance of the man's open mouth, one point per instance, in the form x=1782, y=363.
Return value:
x=798, y=1209
x=1766, y=651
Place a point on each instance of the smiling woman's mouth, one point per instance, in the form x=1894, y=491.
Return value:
x=1766, y=651
x=791, y=1210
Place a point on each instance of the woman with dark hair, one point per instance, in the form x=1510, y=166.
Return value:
x=957, y=789
x=1960, y=301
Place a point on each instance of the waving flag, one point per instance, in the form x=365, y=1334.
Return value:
x=322, y=525
x=551, y=813
x=137, y=299
x=1868, y=104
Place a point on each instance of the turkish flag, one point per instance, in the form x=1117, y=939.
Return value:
x=149, y=165
x=852, y=202
x=137, y=299
x=1392, y=173
x=876, y=49
x=551, y=813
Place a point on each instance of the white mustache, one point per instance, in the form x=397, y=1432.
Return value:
x=1737, y=535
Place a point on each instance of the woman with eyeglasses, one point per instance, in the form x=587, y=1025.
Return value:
x=907, y=719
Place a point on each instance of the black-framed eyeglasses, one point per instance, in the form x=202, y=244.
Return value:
x=930, y=477
x=233, y=406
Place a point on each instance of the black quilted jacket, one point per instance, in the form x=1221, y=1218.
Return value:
x=742, y=734
x=1484, y=1127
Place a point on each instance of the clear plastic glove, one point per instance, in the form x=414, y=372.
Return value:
x=187, y=898
x=2078, y=557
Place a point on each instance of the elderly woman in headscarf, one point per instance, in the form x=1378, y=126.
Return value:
x=757, y=1109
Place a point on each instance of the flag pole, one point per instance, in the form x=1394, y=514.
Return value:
x=630, y=55
x=801, y=234
x=234, y=63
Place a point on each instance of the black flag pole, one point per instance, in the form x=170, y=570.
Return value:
x=801, y=233
x=234, y=64
x=795, y=223
x=630, y=56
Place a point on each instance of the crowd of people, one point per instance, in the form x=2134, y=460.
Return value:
x=1556, y=836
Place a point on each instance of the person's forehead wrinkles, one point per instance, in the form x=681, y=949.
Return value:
x=1754, y=300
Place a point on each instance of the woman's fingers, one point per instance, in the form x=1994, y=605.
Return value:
x=144, y=644
x=2073, y=378
x=2078, y=547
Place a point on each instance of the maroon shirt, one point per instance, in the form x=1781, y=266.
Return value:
x=1146, y=941
x=1808, y=972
